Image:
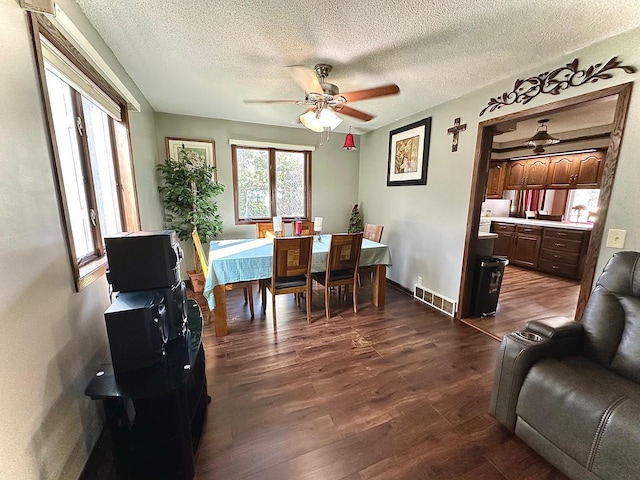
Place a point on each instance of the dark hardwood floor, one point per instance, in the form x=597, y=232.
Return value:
x=527, y=295
x=400, y=392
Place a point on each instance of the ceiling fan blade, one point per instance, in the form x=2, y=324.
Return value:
x=358, y=95
x=295, y=102
x=306, y=78
x=352, y=112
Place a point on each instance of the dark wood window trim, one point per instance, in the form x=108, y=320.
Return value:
x=89, y=268
x=272, y=177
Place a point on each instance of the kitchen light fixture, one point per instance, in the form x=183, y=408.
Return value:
x=320, y=119
x=542, y=139
x=349, y=143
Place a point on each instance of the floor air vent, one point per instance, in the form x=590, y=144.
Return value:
x=445, y=305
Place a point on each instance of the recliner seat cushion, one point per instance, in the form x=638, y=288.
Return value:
x=582, y=408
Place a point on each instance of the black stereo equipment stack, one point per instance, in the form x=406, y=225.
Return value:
x=149, y=309
x=154, y=391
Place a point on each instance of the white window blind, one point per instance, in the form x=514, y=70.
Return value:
x=72, y=75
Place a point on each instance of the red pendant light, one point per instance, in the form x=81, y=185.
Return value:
x=349, y=143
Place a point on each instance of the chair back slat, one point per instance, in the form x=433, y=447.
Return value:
x=307, y=227
x=201, y=256
x=344, y=252
x=265, y=230
x=373, y=232
x=292, y=256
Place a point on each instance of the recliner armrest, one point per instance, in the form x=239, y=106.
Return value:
x=518, y=352
x=555, y=327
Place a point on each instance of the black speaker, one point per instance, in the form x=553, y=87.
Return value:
x=136, y=325
x=175, y=299
x=143, y=260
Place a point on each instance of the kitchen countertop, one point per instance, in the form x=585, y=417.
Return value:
x=543, y=223
x=486, y=235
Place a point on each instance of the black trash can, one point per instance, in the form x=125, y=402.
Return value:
x=487, y=280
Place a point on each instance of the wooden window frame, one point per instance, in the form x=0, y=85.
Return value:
x=272, y=181
x=91, y=267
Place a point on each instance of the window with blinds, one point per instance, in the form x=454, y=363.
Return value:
x=93, y=168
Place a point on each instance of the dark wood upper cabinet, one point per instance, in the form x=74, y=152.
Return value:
x=536, y=175
x=590, y=170
x=516, y=171
x=564, y=171
x=526, y=174
x=578, y=170
x=495, y=180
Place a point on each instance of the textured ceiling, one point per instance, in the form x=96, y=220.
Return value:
x=202, y=58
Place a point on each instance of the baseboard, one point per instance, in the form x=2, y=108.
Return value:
x=399, y=287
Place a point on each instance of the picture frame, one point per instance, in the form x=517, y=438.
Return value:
x=204, y=149
x=409, y=154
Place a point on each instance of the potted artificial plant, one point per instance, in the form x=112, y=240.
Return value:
x=188, y=190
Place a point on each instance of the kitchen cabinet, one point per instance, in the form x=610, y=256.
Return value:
x=502, y=244
x=495, y=180
x=527, y=174
x=548, y=249
x=519, y=243
x=563, y=251
x=526, y=246
x=577, y=170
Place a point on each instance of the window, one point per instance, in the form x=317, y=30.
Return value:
x=582, y=205
x=269, y=182
x=90, y=141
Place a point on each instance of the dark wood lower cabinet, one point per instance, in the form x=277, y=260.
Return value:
x=549, y=249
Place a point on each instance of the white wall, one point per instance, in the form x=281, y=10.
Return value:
x=425, y=225
x=334, y=170
x=52, y=339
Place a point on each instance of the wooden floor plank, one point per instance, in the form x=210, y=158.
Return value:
x=399, y=392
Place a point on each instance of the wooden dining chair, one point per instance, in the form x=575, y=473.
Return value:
x=291, y=272
x=342, y=267
x=307, y=227
x=374, y=233
x=246, y=286
x=265, y=230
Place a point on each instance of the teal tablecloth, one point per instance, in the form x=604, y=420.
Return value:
x=233, y=261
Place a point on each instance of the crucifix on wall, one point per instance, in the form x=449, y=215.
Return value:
x=455, y=130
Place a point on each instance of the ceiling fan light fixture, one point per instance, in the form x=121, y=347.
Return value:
x=320, y=121
x=542, y=138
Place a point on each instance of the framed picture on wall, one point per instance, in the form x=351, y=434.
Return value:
x=409, y=154
x=196, y=150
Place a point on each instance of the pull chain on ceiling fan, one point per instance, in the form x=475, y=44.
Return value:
x=325, y=99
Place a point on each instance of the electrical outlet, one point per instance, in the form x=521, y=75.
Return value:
x=615, y=238
x=420, y=281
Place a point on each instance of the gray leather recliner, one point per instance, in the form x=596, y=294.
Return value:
x=571, y=390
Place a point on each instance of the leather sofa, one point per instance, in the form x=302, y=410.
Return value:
x=571, y=390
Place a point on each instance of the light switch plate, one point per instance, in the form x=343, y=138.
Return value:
x=615, y=238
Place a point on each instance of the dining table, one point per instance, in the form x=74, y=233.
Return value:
x=243, y=260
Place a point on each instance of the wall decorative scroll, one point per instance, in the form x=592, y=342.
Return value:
x=409, y=154
x=555, y=82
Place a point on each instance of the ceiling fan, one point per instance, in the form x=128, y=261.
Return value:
x=324, y=98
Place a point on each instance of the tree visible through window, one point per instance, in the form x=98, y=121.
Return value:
x=270, y=182
x=92, y=159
